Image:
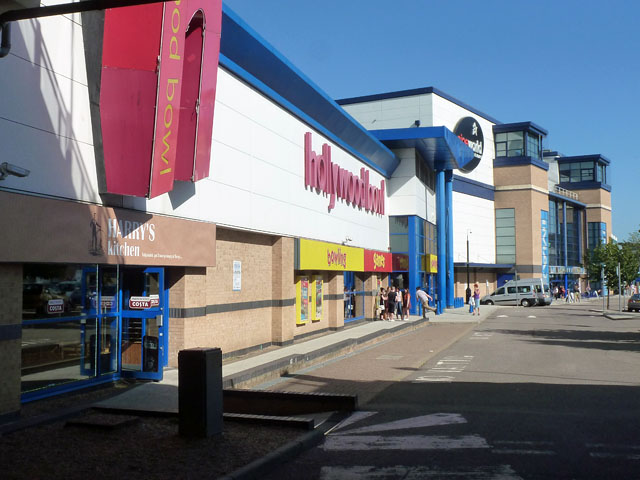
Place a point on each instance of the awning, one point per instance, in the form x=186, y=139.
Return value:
x=439, y=146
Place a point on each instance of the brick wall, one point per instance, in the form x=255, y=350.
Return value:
x=211, y=314
x=10, y=337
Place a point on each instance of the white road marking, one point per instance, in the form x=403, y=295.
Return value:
x=519, y=451
x=481, y=336
x=407, y=442
x=353, y=418
x=502, y=316
x=451, y=364
x=373, y=472
x=389, y=357
x=427, y=378
x=432, y=420
x=627, y=452
x=626, y=456
x=531, y=316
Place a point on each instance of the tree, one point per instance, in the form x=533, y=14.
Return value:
x=609, y=256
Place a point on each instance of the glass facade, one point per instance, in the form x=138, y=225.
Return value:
x=534, y=146
x=506, y=235
x=509, y=144
x=425, y=174
x=588, y=171
x=69, y=324
x=574, y=221
x=518, y=144
x=596, y=234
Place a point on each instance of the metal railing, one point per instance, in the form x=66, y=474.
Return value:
x=565, y=193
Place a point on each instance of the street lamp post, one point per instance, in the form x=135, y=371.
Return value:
x=468, y=292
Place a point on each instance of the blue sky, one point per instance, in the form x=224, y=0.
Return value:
x=572, y=67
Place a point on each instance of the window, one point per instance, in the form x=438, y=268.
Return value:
x=524, y=289
x=511, y=290
x=506, y=235
x=499, y=291
x=510, y=144
x=425, y=174
x=534, y=147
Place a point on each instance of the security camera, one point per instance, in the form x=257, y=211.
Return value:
x=7, y=169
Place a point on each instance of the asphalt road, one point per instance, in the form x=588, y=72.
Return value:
x=546, y=392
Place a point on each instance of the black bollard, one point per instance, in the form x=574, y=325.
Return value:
x=200, y=392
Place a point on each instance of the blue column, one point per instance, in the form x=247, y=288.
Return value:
x=441, y=221
x=565, y=243
x=414, y=267
x=448, y=198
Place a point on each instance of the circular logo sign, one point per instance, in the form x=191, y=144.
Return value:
x=468, y=130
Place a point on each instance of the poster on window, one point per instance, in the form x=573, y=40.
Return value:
x=303, y=317
x=318, y=303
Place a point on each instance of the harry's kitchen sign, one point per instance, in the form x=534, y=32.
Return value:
x=327, y=177
x=54, y=231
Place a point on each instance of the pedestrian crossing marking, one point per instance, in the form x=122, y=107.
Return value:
x=431, y=420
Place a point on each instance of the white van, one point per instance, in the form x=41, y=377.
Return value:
x=525, y=291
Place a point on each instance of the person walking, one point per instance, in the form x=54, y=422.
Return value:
x=476, y=299
x=424, y=298
x=385, y=303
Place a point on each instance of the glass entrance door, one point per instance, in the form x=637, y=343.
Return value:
x=143, y=323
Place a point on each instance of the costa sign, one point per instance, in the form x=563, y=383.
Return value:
x=156, y=94
x=469, y=132
x=327, y=177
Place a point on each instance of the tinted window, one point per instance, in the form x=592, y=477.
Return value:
x=511, y=289
x=500, y=291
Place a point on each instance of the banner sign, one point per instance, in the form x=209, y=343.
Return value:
x=544, y=241
x=56, y=231
x=431, y=263
x=315, y=255
x=375, y=261
x=154, y=94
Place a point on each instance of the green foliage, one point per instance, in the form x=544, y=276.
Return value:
x=609, y=255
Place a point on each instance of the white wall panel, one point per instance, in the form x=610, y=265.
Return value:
x=448, y=114
x=477, y=215
x=257, y=176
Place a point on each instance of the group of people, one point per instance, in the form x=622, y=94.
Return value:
x=570, y=295
x=394, y=302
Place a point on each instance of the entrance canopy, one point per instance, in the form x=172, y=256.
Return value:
x=439, y=146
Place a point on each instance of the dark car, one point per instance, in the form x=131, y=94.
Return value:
x=634, y=303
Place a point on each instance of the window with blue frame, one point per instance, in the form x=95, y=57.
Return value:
x=534, y=146
x=506, y=235
x=69, y=324
x=555, y=236
x=595, y=235
x=509, y=144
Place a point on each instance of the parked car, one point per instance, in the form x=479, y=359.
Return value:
x=525, y=291
x=37, y=296
x=634, y=303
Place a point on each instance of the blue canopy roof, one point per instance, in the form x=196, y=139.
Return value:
x=439, y=146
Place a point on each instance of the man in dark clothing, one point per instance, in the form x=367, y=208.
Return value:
x=392, y=303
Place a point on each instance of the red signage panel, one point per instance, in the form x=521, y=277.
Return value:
x=152, y=56
x=375, y=261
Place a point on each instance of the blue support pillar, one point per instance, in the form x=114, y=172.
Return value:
x=441, y=221
x=565, y=243
x=414, y=267
x=448, y=198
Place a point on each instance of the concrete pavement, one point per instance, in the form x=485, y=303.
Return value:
x=163, y=396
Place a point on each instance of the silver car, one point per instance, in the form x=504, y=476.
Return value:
x=634, y=303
